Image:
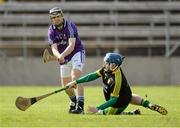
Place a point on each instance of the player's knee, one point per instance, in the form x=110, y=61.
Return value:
x=76, y=73
x=69, y=92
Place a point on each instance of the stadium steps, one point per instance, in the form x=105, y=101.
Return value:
x=101, y=23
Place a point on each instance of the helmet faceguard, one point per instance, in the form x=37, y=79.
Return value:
x=114, y=60
x=56, y=11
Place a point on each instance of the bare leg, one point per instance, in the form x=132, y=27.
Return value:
x=64, y=81
x=70, y=92
x=137, y=100
x=75, y=75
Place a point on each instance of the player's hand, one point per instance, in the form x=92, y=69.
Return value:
x=61, y=58
x=92, y=109
x=72, y=84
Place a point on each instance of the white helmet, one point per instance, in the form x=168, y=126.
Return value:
x=55, y=11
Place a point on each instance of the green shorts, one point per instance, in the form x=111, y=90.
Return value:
x=114, y=111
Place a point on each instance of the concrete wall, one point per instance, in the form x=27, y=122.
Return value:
x=139, y=71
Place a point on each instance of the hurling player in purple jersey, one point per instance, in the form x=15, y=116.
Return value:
x=66, y=45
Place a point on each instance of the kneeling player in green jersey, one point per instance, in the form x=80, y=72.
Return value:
x=117, y=91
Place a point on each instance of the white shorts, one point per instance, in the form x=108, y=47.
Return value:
x=77, y=62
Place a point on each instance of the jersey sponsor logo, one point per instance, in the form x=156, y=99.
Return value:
x=62, y=39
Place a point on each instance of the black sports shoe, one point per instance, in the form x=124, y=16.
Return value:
x=72, y=107
x=158, y=108
x=77, y=111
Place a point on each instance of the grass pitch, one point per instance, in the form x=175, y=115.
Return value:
x=53, y=111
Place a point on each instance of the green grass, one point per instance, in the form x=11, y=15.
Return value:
x=52, y=111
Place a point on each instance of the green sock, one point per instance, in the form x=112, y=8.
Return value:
x=145, y=103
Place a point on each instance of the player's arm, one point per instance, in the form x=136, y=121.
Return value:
x=89, y=77
x=66, y=52
x=100, y=108
x=108, y=103
x=72, y=32
x=55, y=50
x=53, y=43
x=70, y=47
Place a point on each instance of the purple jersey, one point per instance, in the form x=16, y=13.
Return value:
x=61, y=37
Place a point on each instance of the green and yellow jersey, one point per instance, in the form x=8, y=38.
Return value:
x=116, y=89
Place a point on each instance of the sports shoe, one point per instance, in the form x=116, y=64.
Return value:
x=158, y=108
x=77, y=111
x=72, y=107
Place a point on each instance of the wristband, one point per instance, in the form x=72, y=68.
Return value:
x=101, y=112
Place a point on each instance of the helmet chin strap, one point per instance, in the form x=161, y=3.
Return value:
x=115, y=68
x=112, y=69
